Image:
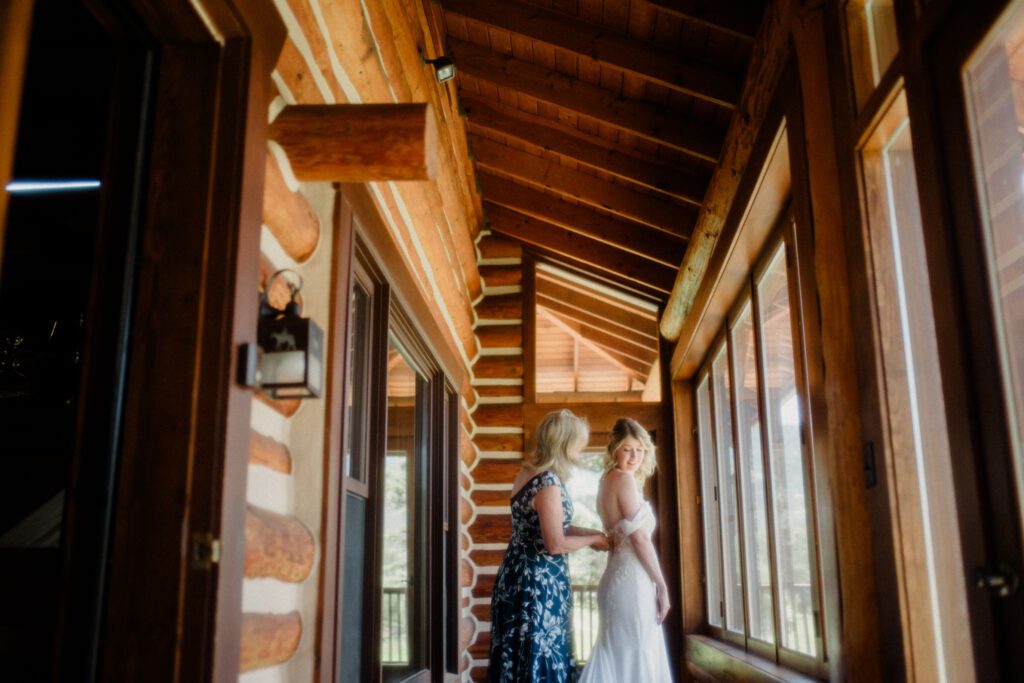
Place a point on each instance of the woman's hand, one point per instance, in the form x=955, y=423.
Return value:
x=601, y=542
x=663, y=603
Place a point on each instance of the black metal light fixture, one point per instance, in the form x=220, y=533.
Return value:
x=444, y=68
x=291, y=363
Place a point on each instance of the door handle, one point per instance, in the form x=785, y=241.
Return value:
x=1001, y=582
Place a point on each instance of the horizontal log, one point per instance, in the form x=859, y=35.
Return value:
x=478, y=674
x=653, y=211
x=589, y=150
x=269, y=639
x=466, y=630
x=499, y=247
x=288, y=215
x=499, y=367
x=488, y=558
x=501, y=276
x=642, y=119
x=499, y=391
x=481, y=648
x=580, y=249
x=284, y=406
x=484, y=586
x=358, y=143
x=632, y=237
x=499, y=336
x=606, y=47
x=490, y=498
x=276, y=546
x=500, y=307
x=505, y=443
x=489, y=471
x=269, y=452
x=482, y=611
x=498, y=415
x=465, y=510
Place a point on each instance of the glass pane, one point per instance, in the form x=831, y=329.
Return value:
x=399, y=470
x=793, y=536
x=755, y=509
x=732, y=577
x=354, y=464
x=709, y=496
x=586, y=565
x=871, y=28
x=995, y=89
x=350, y=664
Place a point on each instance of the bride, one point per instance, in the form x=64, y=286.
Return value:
x=632, y=596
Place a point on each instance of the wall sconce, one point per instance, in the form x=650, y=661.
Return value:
x=291, y=362
x=444, y=68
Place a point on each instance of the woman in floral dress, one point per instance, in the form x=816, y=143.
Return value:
x=531, y=608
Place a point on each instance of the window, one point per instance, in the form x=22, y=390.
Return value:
x=994, y=84
x=398, y=448
x=760, y=541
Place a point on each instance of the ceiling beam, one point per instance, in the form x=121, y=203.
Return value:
x=597, y=335
x=652, y=211
x=655, y=246
x=605, y=46
x=623, y=334
x=635, y=288
x=739, y=20
x=580, y=248
x=642, y=119
x=631, y=366
x=589, y=150
x=640, y=322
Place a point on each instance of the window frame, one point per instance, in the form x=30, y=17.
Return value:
x=782, y=236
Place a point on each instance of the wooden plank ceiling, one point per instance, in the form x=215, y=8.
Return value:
x=595, y=124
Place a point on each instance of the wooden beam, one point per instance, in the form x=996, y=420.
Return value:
x=581, y=267
x=625, y=334
x=654, y=246
x=606, y=340
x=579, y=248
x=578, y=297
x=642, y=119
x=763, y=76
x=276, y=546
x=288, y=215
x=736, y=19
x=653, y=211
x=607, y=47
x=269, y=639
x=631, y=366
x=358, y=143
x=590, y=150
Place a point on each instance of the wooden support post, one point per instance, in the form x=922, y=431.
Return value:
x=15, y=24
x=358, y=143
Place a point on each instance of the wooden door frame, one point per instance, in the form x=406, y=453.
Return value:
x=183, y=463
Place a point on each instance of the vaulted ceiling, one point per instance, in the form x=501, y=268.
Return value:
x=595, y=125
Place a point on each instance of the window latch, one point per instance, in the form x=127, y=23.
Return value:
x=1001, y=582
x=205, y=550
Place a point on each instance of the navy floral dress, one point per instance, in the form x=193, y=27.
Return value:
x=531, y=625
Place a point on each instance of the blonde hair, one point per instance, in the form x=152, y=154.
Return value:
x=558, y=435
x=626, y=427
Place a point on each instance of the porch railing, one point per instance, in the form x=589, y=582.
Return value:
x=394, y=631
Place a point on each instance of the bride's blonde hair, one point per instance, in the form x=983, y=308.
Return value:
x=626, y=427
x=557, y=436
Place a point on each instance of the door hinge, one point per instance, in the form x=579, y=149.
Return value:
x=205, y=550
x=715, y=489
x=817, y=625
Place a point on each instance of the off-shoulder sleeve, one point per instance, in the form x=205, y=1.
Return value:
x=628, y=526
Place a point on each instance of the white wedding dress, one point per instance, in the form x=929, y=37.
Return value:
x=630, y=644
